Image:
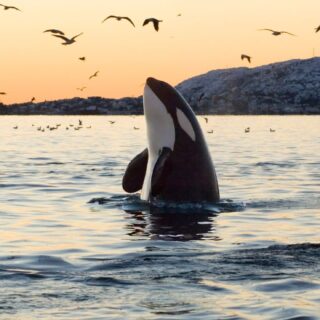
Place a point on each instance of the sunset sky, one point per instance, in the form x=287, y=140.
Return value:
x=209, y=34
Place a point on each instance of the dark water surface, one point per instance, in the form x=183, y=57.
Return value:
x=256, y=255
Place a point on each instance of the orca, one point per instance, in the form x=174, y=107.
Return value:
x=176, y=166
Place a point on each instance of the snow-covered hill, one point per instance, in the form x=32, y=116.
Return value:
x=290, y=87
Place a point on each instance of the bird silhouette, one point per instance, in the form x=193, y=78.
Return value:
x=82, y=58
x=82, y=88
x=136, y=128
x=3, y=93
x=317, y=29
x=206, y=119
x=277, y=33
x=244, y=56
x=211, y=131
x=9, y=7
x=272, y=130
x=94, y=75
x=118, y=18
x=54, y=31
x=111, y=122
x=32, y=99
x=154, y=21
x=201, y=96
x=67, y=41
x=247, y=130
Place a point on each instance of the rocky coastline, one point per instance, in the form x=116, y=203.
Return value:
x=290, y=87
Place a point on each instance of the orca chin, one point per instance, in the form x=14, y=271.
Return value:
x=176, y=165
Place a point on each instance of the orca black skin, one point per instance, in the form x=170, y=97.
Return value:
x=177, y=165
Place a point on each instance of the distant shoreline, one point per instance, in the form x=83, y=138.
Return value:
x=284, y=88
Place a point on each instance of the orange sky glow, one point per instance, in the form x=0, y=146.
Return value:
x=209, y=34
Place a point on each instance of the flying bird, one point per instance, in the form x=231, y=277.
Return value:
x=154, y=21
x=67, y=41
x=201, y=96
x=94, y=75
x=9, y=7
x=118, y=19
x=82, y=88
x=277, y=33
x=317, y=29
x=82, y=58
x=244, y=56
x=3, y=93
x=206, y=119
x=55, y=31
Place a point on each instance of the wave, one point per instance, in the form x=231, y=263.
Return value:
x=276, y=164
x=310, y=202
x=279, y=267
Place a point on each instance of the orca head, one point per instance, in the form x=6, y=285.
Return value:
x=166, y=112
x=161, y=101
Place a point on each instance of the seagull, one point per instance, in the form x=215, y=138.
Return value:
x=211, y=131
x=154, y=21
x=67, y=41
x=112, y=122
x=9, y=7
x=277, y=33
x=82, y=58
x=201, y=96
x=317, y=29
x=119, y=19
x=16, y=127
x=82, y=88
x=3, y=93
x=272, y=130
x=32, y=99
x=244, y=56
x=247, y=130
x=206, y=119
x=94, y=75
x=55, y=31
x=136, y=128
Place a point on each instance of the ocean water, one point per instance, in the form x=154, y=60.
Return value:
x=74, y=245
